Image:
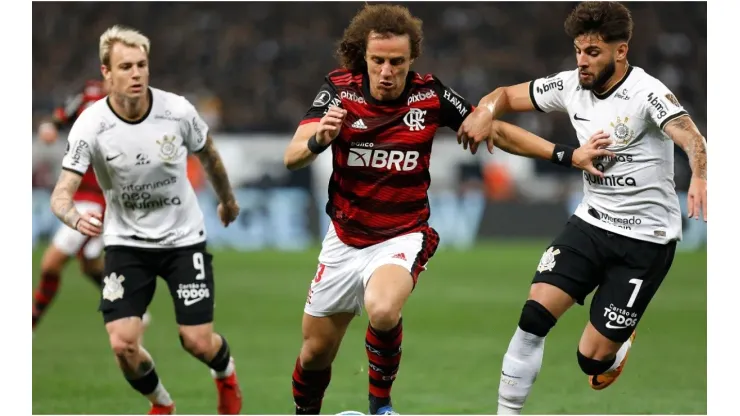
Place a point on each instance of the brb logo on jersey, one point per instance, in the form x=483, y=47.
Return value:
x=415, y=119
x=367, y=157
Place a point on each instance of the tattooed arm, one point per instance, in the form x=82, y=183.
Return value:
x=63, y=206
x=214, y=167
x=684, y=132
x=686, y=135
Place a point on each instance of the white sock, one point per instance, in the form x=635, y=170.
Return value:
x=227, y=372
x=522, y=363
x=160, y=396
x=620, y=355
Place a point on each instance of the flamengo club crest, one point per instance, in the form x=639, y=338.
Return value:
x=622, y=131
x=415, y=119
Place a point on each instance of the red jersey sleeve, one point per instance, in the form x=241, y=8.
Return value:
x=326, y=97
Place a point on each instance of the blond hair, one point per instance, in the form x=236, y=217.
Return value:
x=122, y=34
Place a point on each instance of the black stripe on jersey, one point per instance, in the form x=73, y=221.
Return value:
x=73, y=171
x=673, y=117
x=375, y=206
x=531, y=97
x=397, y=181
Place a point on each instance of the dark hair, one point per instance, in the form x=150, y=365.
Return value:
x=609, y=20
x=384, y=19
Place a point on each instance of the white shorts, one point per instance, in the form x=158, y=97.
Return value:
x=71, y=242
x=343, y=271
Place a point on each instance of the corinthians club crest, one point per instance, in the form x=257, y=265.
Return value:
x=168, y=150
x=622, y=131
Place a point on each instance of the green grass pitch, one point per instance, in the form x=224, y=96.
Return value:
x=457, y=327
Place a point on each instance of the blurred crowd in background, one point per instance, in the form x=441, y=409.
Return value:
x=256, y=67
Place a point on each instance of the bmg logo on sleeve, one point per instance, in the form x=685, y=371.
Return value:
x=379, y=159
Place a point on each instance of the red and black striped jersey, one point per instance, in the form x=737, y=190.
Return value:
x=378, y=187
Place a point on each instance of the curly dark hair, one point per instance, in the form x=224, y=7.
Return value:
x=609, y=20
x=383, y=19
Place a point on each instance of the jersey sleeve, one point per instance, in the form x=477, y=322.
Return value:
x=80, y=141
x=326, y=97
x=194, y=129
x=552, y=92
x=454, y=108
x=660, y=105
x=67, y=113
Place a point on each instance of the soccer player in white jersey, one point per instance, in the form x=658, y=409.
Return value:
x=622, y=238
x=137, y=141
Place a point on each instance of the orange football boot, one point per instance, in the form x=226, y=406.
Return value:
x=605, y=380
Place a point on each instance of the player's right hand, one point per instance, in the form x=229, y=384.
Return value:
x=475, y=129
x=584, y=156
x=90, y=224
x=330, y=124
x=228, y=212
x=48, y=132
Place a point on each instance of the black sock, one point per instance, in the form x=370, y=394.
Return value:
x=221, y=360
x=146, y=384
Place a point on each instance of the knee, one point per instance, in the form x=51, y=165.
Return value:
x=317, y=353
x=124, y=343
x=536, y=319
x=197, y=343
x=53, y=263
x=383, y=314
x=592, y=366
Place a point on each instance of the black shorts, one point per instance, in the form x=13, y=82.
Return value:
x=131, y=278
x=626, y=271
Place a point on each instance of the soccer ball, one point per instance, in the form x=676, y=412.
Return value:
x=351, y=413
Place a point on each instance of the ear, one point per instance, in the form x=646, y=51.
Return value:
x=105, y=72
x=621, y=52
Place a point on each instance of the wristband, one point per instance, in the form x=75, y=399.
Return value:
x=315, y=147
x=562, y=155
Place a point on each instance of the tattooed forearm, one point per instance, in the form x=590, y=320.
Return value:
x=216, y=171
x=684, y=132
x=697, y=151
x=62, y=203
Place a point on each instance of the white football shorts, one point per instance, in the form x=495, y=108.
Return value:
x=343, y=271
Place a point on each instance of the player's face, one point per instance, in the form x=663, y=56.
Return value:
x=596, y=61
x=128, y=73
x=388, y=61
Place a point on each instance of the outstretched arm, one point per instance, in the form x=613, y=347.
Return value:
x=515, y=140
x=686, y=135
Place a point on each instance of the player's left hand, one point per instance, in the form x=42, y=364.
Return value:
x=227, y=212
x=697, y=199
x=475, y=129
x=594, y=148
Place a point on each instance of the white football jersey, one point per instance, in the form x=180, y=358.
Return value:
x=637, y=196
x=142, y=169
